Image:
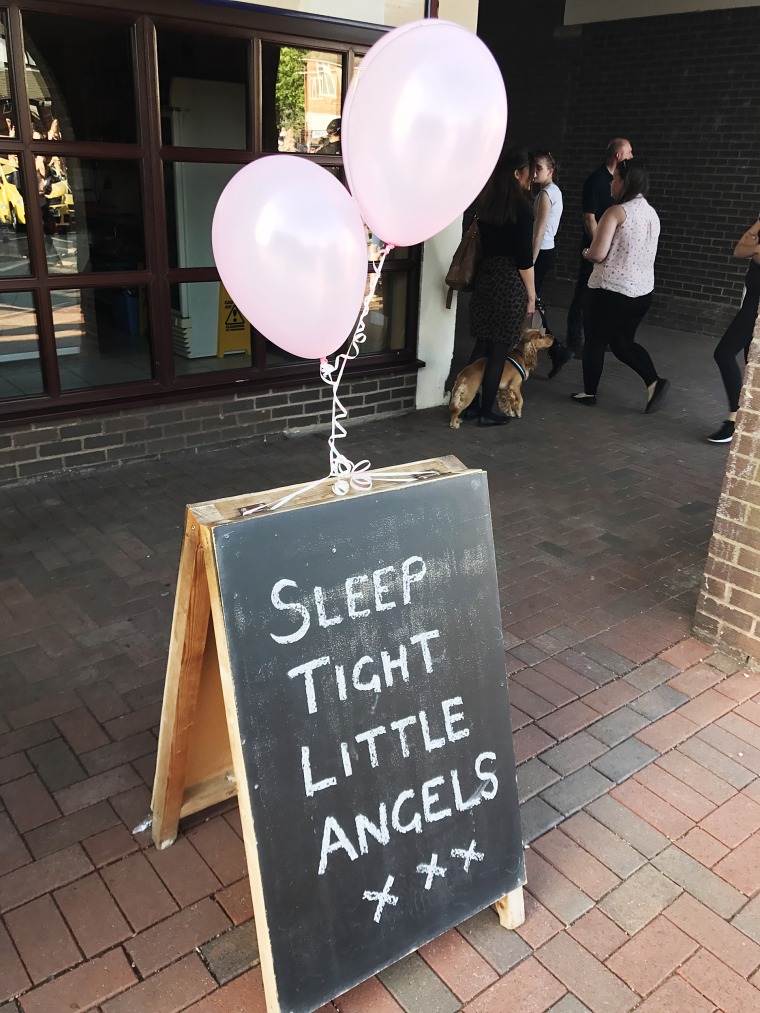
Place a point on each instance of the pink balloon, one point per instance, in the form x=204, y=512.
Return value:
x=423, y=125
x=290, y=247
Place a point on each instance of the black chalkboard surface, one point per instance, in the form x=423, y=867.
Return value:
x=366, y=654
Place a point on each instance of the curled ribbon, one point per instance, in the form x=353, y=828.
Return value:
x=349, y=475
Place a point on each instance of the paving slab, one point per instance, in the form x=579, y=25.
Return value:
x=599, y=591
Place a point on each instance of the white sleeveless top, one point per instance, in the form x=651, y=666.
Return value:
x=554, y=194
x=629, y=266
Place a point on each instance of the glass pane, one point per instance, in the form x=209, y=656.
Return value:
x=102, y=336
x=301, y=91
x=208, y=331
x=14, y=246
x=192, y=190
x=386, y=321
x=20, y=368
x=7, y=103
x=203, y=83
x=92, y=213
x=80, y=79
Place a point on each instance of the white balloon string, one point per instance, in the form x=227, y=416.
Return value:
x=349, y=475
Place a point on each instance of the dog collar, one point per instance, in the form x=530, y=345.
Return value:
x=520, y=369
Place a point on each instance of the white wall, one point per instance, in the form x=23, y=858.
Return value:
x=436, y=341
x=371, y=12
x=579, y=12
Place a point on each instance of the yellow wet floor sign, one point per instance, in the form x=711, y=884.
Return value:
x=233, y=330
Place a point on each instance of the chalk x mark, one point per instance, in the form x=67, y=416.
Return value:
x=470, y=855
x=382, y=898
x=432, y=869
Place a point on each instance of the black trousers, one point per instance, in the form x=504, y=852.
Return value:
x=544, y=265
x=495, y=353
x=577, y=312
x=612, y=319
x=737, y=338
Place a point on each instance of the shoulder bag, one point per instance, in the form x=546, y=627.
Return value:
x=460, y=276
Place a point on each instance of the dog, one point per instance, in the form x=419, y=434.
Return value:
x=524, y=357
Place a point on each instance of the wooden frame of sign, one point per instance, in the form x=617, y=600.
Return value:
x=356, y=854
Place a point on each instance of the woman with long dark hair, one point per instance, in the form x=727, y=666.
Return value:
x=504, y=293
x=623, y=252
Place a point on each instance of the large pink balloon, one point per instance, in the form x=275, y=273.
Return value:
x=422, y=128
x=290, y=247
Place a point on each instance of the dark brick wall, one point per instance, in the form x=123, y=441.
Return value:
x=36, y=449
x=686, y=90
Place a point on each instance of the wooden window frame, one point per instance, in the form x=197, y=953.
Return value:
x=146, y=18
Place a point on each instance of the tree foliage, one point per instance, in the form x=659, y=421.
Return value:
x=290, y=91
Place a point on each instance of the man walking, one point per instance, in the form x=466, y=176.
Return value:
x=595, y=200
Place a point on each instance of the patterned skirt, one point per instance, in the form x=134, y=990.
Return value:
x=498, y=302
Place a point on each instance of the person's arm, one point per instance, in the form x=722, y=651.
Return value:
x=529, y=281
x=590, y=224
x=608, y=224
x=542, y=218
x=749, y=244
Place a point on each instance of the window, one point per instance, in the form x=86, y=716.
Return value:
x=125, y=130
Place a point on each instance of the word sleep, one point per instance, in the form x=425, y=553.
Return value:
x=406, y=730
x=407, y=813
x=361, y=680
x=381, y=591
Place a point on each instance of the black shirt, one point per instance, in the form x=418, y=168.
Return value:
x=596, y=197
x=511, y=239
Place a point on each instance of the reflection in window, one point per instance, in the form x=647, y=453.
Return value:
x=7, y=103
x=20, y=368
x=203, y=91
x=92, y=215
x=385, y=324
x=192, y=190
x=301, y=99
x=101, y=336
x=80, y=80
x=208, y=331
x=14, y=246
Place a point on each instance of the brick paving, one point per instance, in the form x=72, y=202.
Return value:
x=638, y=745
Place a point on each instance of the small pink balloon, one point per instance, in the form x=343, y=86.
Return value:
x=422, y=128
x=290, y=247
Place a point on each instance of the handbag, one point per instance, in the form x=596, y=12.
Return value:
x=460, y=276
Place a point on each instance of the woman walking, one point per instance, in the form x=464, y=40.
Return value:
x=738, y=336
x=623, y=252
x=547, y=211
x=504, y=293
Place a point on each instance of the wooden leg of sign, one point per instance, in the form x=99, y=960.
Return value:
x=511, y=909
x=188, y=641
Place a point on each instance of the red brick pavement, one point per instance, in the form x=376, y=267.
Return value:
x=639, y=746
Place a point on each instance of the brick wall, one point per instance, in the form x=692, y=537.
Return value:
x=728, y=612
x=686, y=89
x=38, y=449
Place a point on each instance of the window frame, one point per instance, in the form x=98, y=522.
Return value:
x=145, y=19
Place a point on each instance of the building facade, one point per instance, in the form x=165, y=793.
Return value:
x=120, y=127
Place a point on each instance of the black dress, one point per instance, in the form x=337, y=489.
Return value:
x=499, y=300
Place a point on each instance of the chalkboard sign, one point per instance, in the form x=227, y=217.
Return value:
x=366, y=652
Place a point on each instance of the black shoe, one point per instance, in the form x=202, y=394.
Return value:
x=725, y=434
x=560, y=355
x=655, y=401
x=587, y=399
x=472, y=411
x=491, y=419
